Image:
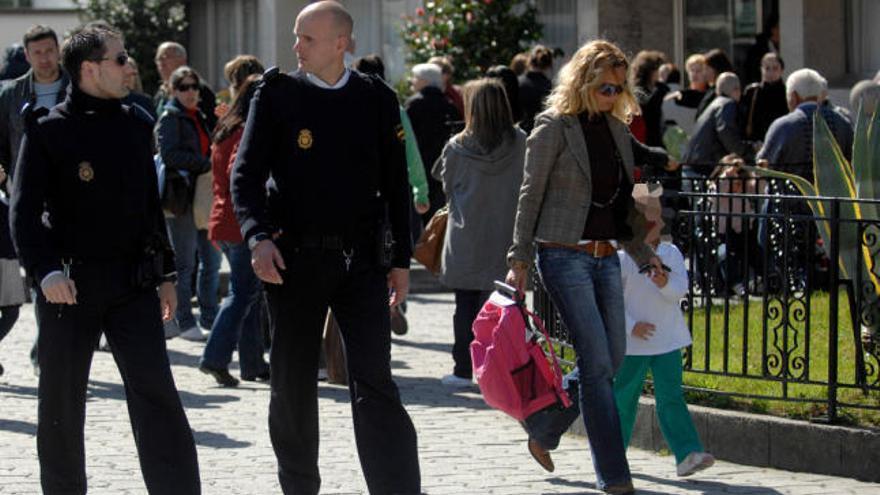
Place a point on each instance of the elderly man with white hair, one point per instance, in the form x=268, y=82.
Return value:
x=789, y=143
x=717, y=132
x=432, y=117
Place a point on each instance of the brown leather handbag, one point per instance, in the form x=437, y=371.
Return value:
x=429, y=248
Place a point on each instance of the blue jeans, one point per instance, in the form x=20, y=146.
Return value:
x=187, y=241
x=588, y=294
x=238, y=322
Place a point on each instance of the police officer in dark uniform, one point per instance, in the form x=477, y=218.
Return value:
x=331, y=141
x=99, y=258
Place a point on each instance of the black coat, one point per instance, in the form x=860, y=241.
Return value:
x=432, y=117
x=87, y=163
x=177, y=140
x=761, y=104
x=534, y=87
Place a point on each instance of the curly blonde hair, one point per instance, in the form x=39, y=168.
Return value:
x=583, y=73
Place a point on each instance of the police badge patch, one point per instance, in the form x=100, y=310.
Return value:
x=86, y=172
x=304, y=140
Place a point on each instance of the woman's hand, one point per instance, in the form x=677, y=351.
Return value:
x=517, y=275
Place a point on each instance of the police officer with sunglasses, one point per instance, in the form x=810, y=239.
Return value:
x=102, y=260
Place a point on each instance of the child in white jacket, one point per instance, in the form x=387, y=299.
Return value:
x=656, y=333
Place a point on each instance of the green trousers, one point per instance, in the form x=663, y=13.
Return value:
x=675, y=420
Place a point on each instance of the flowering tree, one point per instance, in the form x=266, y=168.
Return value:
x=476, y=34
x=144, y=24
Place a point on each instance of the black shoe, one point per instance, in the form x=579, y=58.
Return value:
x=224, y=379
x=259, y=377
x=1, y=370
x=399, y=324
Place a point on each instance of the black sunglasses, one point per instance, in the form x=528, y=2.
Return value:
x=121, y=59
x=608, y=89
x=187, y=87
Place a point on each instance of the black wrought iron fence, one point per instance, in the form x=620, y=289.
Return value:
x=766, y=304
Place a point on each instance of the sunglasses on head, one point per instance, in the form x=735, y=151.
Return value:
x=608, y=89
x=120, y=59
x=187, y=87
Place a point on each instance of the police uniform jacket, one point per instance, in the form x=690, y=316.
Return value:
x=336, y=160
x=88, y=164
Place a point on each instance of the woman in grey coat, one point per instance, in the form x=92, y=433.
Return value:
x=481, y=170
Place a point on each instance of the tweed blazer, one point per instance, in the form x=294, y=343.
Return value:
x=556, y=193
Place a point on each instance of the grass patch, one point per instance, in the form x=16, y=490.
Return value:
x=761, y=351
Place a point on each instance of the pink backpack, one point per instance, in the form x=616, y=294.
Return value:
x=514, y=374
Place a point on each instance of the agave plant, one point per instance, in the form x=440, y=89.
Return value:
x=835, y=176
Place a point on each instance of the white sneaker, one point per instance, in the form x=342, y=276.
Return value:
x=456, y=381
x=194, y=334
x=694, y=462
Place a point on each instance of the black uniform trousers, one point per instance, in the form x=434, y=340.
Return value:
x=385, y=436
x=132, y=321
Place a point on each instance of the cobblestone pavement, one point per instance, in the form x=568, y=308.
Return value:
x=465, y=447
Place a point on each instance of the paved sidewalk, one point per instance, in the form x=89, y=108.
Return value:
x=465, y=447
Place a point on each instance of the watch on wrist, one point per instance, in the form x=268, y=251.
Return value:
x=256, y=239
x=171, y=277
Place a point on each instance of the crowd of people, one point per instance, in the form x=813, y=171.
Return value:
x=316, y=184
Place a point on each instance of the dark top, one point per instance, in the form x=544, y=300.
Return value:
x=432, y=116
x=761, y=104
x=606, y=219
x=651, y=103
x=691, y=98
x=336, y=158
x=141, y=100
x=708, y=97
x=180, y=140
x=534, y=87
x=88, y=163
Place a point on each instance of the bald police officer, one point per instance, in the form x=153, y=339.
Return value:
x=330, y=138
x=99, y=260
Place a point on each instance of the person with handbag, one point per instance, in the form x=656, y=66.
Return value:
x=575, y=205
x=238, y=321
x=480, y=169
x=183, y=140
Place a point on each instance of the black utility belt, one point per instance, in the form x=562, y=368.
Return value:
x=379, y=245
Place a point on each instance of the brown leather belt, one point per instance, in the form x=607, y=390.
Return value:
x=596, y=249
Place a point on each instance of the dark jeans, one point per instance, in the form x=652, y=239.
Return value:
x=385, y=436
x=188, y=242
x=131, y=320
x=238, y=321
x=588, y=293
x=467, y=306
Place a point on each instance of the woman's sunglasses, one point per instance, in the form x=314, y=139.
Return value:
x=187, y=87
x=608, y=89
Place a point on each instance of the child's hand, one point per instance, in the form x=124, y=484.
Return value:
x=659, y=277
x=643, y=330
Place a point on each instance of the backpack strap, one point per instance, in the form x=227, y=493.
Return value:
x=554, y=361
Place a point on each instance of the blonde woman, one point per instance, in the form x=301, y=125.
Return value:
x=575, y=206
x=481, y=170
